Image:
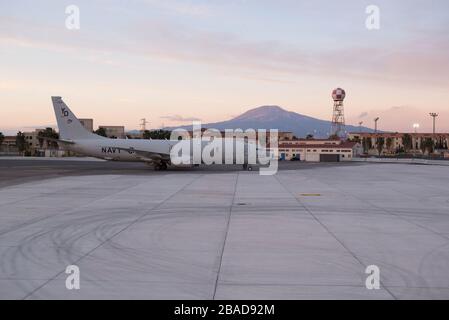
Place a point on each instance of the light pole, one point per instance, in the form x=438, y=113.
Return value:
x=375, y=124
x=434, y=116
x=416, y=127
x=360, y=126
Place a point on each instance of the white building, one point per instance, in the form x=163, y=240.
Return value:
x=318, y=150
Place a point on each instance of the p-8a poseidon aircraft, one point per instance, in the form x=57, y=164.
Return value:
x=74, y=137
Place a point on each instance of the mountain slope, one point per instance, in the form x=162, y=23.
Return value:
x=274, y=117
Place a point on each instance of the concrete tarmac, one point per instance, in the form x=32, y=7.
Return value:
x=308, y=232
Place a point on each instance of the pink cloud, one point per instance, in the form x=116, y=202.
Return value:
x=422, y=61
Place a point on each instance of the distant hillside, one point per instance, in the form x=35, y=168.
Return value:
x=274, y=117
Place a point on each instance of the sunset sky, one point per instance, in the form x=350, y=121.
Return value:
x=172, y=61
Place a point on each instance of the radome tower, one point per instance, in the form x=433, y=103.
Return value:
x=338, y=117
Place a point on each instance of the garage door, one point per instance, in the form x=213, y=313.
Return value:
x=312, y=157
x=329, y=158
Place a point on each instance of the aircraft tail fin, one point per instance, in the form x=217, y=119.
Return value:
x=70, y=128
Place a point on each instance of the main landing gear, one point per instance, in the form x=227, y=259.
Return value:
x=162, y=166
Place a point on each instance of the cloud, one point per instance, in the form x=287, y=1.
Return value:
x=421, y=60
x=178, y=118
x=363, y=115
x=407, y=61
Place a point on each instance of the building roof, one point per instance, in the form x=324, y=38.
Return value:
x=343, y=145
x=328, y=139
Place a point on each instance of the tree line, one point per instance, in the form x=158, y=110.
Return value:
x=428, y=145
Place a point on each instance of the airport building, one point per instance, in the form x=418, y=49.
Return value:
x=9, y=146
x=88, y=124
x=114, y=131
x=395, y=142
x=41, y=148
x=318, y=150
x=32, y=139
x=117, y=132
x=9, y=141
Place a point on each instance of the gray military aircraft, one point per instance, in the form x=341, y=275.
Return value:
x=74, y=137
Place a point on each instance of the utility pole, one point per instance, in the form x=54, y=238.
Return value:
x=143, y=124
x=375, y=124
x=360, y=126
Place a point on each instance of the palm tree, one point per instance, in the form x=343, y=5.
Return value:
x=2, y=137
x=407, y=142
x=427, y=145
x=367, y=145
x=21, y=143
x=389, y=143
x=157, y=134
x=380, y=144
x=48, y=133
x=101, y=132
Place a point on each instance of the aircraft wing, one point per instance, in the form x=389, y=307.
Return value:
x=147, y=155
